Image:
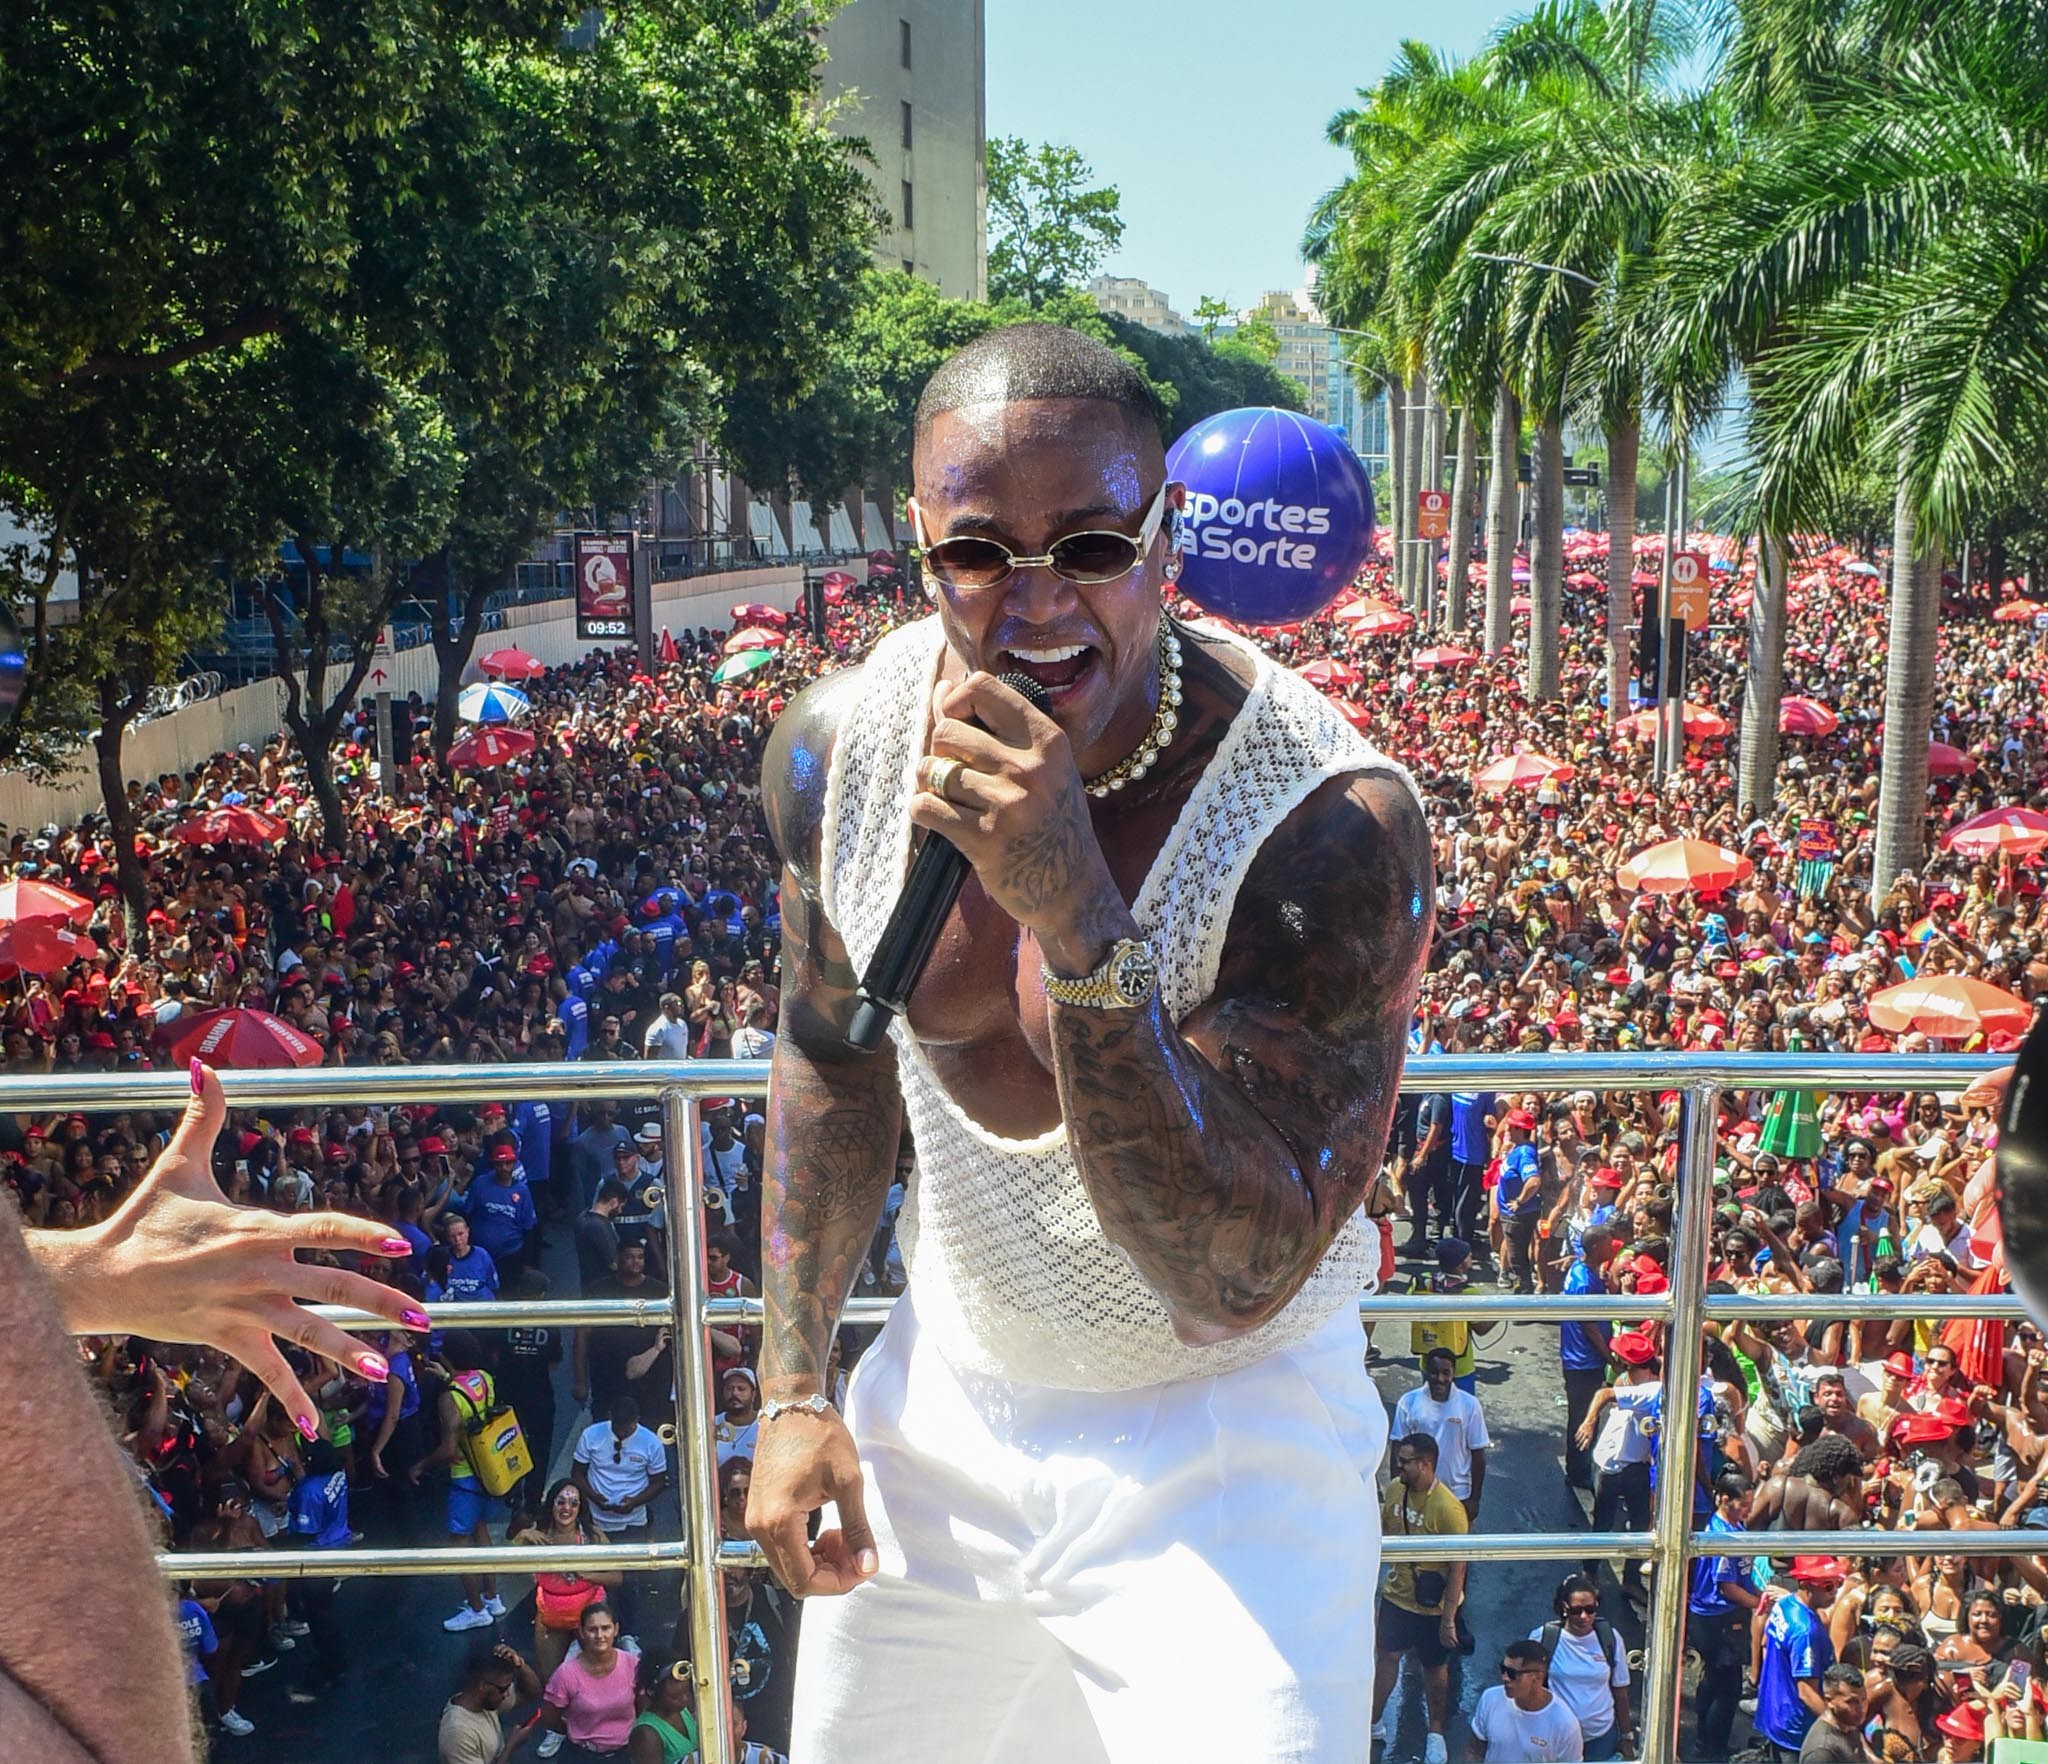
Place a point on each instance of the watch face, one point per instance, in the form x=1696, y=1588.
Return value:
x=1133, y=975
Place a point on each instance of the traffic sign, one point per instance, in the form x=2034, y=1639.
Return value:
x=1688, y=589
x=1432, y=514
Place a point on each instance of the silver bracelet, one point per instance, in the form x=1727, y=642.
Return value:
x=814, y=1404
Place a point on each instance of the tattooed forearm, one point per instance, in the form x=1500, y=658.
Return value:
x=1224, y=1154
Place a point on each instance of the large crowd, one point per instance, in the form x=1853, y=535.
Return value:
x=612, y=894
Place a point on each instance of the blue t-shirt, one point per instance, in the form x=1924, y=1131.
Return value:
x=574, y=1016
x=1521, y=1183
x=666, y=933
x=420, y=1242
x=1574, y=1346
x=320, y=1511
x=534, y=1125
x=500, y=1214
x=195, y=1636
x=1706, y=1599
x=408, y=1384
x=474, y=1276
x=1469, y=1139
x=1796, y=1646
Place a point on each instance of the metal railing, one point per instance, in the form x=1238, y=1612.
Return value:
x=682, y=1086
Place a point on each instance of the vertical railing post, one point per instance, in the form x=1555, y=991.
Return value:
x=696, y=1456
x=1678, y=1441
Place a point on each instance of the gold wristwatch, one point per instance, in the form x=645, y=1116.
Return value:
x=1123, y=980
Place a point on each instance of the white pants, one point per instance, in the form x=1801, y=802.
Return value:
x=1175, y=1572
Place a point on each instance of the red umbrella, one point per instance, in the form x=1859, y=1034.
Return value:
x=2019, y=612
x=1805, y=716
x=513, y=664
x=754, y=638
x=1327, y=671
x=237, y=825
x=491, y=745
x=752, y=612
x=1679, y=865
x=2015, y=830
x=841, y=579
x=243, y=1038
x=1944, y=761
x=1520, y=771
x=1354, y=713
x=1702, y=723
x=668, y=652
x=1521, y=606
x=41, y=900
x=1950, y=1005
x=43, y=946
x=1371, y=617
x=1447, y=655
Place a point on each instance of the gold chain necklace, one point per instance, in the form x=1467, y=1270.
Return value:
x=1136, y=764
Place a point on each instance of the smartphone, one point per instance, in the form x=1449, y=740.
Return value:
x=2017, y=1675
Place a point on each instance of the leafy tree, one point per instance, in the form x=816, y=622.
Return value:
x=1255, y=339
x=1047, y=229
x=1209, y=313
x=1193, y=381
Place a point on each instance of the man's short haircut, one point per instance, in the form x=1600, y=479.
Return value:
x=1037, y=360
x=1525, y=1653
x=1841, y=1676
x=1441, y=1353
x=1831, y=1377
x=1423, y=1445
x=612, y=1189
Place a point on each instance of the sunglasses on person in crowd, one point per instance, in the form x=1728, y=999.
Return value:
x=1511, y=1671
x=971, y=563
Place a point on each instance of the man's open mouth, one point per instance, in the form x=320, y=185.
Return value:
x=1056, y=667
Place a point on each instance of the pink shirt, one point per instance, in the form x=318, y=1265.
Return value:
x=599, y=1710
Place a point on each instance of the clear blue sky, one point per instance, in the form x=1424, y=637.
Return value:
x=1208, y=116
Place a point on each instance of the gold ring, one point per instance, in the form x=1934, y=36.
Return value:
x=944, y=771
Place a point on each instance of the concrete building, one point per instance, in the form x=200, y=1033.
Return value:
x=906, y=76
x=1305, y=347
x=1140, y=302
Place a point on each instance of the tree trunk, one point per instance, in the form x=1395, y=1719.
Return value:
x=1464, y=476
x=1418, y=402
x=120, y=704
x=1757, y=785
x=314, y=738
x=1503, y=518
x=1401, y=481
x=453, y=646
x=1433, y=421
x=1546, y=560
x=1624, y=446
x=1908, y=701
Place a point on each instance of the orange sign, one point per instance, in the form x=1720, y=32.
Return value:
x=1432, y=514
x=1688, y=589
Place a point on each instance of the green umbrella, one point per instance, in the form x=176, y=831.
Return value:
x=738, y=667
x=1792, y=1125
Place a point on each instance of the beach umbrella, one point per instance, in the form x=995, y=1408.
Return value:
x=667, y=651
x=1952, y=1006
x=488, y=702
x=2018, y=612
x=1860, y=568
x=1327, y=671
x=243, y=1038
x=236, y=825
x=41, y=900
x=1702, y=723
x=1678, y=865
x=1791, y=1125
x=513, y=664
x=1521, y=606
x=738, y=667
x=752, y=612
x=1806, y=716
x=2018, y=831
x=1357, y=715
x=481, y=749
x=1371, y=617
x=1944, y=761
x=43, y=946
x=843, y=580
x=754, y=638
x=1446, y=655
x=1519, y=771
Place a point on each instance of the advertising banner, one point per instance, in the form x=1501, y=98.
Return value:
x=604, y=587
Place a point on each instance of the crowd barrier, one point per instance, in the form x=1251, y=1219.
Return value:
x=699, y=1555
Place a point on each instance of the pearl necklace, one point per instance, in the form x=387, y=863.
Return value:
x=1135, y=765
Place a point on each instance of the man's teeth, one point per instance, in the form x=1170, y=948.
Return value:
x=1047, y=657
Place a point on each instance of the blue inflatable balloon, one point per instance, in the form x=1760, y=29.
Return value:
x=1279, y=515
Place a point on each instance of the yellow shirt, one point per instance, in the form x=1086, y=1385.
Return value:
x=1437, y=1514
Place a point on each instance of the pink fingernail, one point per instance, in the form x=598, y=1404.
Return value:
x=415, y=1319
x=198, y=1079
x=373, y=1366
x=309, y=1429
x=395, y=1246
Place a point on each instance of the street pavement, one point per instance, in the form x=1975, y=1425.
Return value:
x=405, y=1666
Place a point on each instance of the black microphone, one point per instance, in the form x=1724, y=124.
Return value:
x=2023, y=1173
x=936, y=873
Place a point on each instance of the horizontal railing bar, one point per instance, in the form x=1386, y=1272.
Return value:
x=1876, y=1306
x=1867, y=1543
x=1429, y=1307
x=614, y=1313
x=358, y=1564
x=627, y=1080
x=1473, y=1546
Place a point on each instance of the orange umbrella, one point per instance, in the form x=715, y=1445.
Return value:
x=1447, y=655
x=1520, y=771
x=2015, y=830
x=41, y=900
x=513, y=664
x=2019, y=612
x=1702, y=723
x=490, y=746
x=1681, y=864
x=234, y=825
x=1806, y=716
x=242, y=1037
x=1944, y=761
x=1952, y=1006
x=1327, y=671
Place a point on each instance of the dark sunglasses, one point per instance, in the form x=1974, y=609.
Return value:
x=970, y=562
x=1507, y=1671
x=1582, y=1610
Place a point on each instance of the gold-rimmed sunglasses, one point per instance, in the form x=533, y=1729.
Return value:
x=973, y=564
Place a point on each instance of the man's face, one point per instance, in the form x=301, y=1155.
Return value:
x=1415, y=1471
x=1027, y=473
x=1832, y=1400
x=716, y=1262
x=1845, y=1705
x=632, y=1262
x=1437, y=1372
x=741, y=1400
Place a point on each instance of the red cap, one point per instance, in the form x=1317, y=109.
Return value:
x=1900, y=1365
x=1965, y=1721
x=504, y=1154
x=1607, y=1176
x=303, y=1136
x=1617, y=976
x=1521, y=1120
x=1912, y=1430
x=1646, y=1265
x=335, y=1149
x=1831, y=1569
x=1633, y=1348
x=1651, y=1284
x=433, y=1146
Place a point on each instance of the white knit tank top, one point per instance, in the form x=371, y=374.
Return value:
x=1011, y=1274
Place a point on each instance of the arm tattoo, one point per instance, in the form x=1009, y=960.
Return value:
x=1224, y=1155
x=833, y=1116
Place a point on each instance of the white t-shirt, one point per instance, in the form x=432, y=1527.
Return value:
x=667, y=1038
x=616, y=1474
x=1583, y=1681
x=1622, y=1439
x=1456, y=1424
x=1515, y=1735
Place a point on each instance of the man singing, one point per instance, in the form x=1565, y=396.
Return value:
x=1103, y=1487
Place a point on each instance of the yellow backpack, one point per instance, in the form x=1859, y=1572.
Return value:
x=492, y=1444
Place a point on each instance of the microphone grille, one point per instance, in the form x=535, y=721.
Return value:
x=1025, y=688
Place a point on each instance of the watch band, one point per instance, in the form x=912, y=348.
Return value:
x=1122, y=980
